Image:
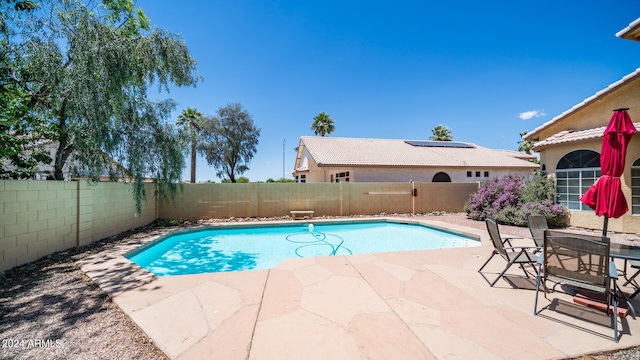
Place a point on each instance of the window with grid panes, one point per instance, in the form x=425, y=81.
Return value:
x=635, y=187
x=575, y=173
x=343, y=176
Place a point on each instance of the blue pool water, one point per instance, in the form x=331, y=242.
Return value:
x=224, y=249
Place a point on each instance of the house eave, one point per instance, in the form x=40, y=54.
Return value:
x=631, y=32
x=534, y=134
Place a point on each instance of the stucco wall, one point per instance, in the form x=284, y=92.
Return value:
x=38, y=218
x=404, y=175
x=457, y=175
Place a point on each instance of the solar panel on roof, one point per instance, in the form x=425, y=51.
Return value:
x=449, y=144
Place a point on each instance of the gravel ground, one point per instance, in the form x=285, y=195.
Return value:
x=50, y=309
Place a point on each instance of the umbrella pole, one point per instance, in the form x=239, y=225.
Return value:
x=606, y=224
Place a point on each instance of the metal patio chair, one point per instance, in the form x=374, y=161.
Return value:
x=582, y=262
x=537, y=225
x=511, y=254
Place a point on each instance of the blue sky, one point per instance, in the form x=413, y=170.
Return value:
x=487, y=70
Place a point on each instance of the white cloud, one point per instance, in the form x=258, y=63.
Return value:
x=531, y=114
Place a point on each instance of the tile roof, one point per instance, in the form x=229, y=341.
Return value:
x=567, y=136
x=631, y=32
x=392, y=152
x=532, y=134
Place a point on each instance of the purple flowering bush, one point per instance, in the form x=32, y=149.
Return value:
x=493, y=196
x=510, y=199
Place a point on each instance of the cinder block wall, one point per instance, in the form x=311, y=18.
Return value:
x=449, y=197
x=205, y=201
x=107, y=209
x=278, y=199
x=38, y=218
x=374, y=198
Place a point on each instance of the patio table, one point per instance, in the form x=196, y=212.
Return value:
x=626, y=253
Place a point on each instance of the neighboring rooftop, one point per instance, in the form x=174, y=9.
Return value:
x=392, y=152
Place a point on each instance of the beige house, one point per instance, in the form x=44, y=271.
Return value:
x=570, y=145
x=335, y=159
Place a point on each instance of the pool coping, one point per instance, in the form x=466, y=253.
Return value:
x=427, y=304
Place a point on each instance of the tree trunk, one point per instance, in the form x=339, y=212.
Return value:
x=58, y=174
x=63, y=151
x=193, y=162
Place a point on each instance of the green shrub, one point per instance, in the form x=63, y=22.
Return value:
x=168, y=222
x=538, y=189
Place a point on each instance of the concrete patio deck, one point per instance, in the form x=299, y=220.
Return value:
x=407, y=305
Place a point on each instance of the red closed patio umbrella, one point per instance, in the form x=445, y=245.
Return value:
x=605, y=195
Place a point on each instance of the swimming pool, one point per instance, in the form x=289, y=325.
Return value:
x=238, y=248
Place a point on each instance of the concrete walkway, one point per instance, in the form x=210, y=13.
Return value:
x=407, y=305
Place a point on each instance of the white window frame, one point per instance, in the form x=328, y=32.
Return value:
x=571, y=184
x=635, y=187
x=574, y=180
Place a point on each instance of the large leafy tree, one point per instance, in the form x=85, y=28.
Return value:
x=86, y=67
x=19, y=128
x=229, y=141
x=323, y=124
x=191, y=121
x=441, y=133
x=19, y=131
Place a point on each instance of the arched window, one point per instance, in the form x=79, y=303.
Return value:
x=575, y=173
x=441, y=177
x=579, y=159
x=635, y=187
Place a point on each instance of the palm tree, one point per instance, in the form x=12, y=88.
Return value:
x=525, y=145
x=322, y=124
x=441, y=133
x=190, y=119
